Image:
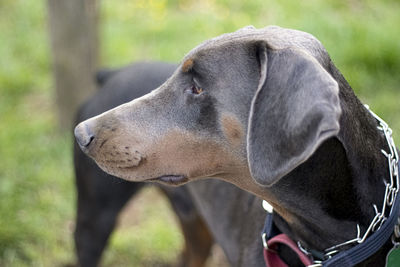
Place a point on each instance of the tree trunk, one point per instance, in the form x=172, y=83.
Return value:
x=74, y=44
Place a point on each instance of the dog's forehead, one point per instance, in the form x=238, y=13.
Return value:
x=275, y=37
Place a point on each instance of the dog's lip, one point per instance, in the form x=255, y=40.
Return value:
x=170, y=179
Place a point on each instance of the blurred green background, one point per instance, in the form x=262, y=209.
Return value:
x=37, y=197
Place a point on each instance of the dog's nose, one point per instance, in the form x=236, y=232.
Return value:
x=83, y=135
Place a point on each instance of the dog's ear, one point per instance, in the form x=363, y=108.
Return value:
x=295, y=108
x=103, y=75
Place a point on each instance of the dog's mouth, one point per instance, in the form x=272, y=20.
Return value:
x=170, y=179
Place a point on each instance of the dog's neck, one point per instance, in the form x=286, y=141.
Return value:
x=321, y=202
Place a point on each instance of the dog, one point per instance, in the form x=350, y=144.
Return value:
x=100, y=197
x=265, y=110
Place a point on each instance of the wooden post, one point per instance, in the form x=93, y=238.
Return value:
x=74, y=45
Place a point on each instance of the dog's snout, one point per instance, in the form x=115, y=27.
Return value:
x=83, y=135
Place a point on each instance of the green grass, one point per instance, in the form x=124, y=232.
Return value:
x=37, y=195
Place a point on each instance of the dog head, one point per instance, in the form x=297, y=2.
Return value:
x=253, y=103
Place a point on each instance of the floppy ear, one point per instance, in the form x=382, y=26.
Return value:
x=295, y=108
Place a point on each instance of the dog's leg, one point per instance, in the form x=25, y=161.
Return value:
x=198, y=239
x=100, y=199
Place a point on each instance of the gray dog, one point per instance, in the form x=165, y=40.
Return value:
x=268, y=111
x=201, y=207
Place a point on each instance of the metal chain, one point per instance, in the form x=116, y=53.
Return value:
x=392, y=188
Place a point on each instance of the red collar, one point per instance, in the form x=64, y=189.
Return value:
x=271, y=256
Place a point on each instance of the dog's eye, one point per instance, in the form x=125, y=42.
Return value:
x=196, y=90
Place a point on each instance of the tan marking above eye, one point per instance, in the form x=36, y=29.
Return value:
x=187, y=65
x=232, y=128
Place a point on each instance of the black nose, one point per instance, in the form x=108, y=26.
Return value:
x=83, y=135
